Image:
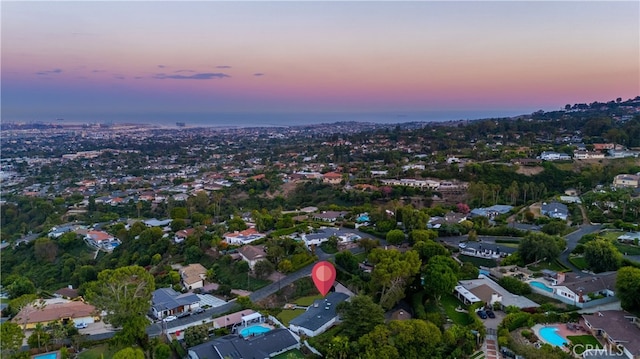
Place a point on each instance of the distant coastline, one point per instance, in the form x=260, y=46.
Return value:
x=240, y=120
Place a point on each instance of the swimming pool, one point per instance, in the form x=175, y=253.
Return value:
x=50, y=355
x=541, y=286
x=549, y=335
x=254, y=330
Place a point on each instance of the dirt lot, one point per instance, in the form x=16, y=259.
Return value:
x=529, y=170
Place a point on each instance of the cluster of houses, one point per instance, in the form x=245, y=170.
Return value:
x=600, y=151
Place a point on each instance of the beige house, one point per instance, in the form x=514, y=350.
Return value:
x=618, y=329
x=47, y=311
x=252, y=254
x=626, y=180
x=193, y=276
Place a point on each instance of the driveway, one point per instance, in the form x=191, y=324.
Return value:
x=572, y=241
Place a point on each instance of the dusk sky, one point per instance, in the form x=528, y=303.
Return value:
x=82, y=60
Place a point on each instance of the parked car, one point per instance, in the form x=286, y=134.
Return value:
x=169, y=318
x=482, y=314
x=199, y=310
x=491, y=314
x=462, y=245
x=184, y=314
x=81, y=325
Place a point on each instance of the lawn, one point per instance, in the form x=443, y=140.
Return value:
x=478, y=261
x=101, y=351
x=449, y=302
x=584, y=340
x=579, y=262
x=288, y=314
x=627, y=249
x=307, y=301
x=611, y=235
x=553, y=265
x=291, y=354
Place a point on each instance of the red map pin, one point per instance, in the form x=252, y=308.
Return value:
x=323, y=274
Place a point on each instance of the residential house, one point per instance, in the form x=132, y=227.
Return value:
x=554, y=156
x=166, y=301
x=579, y=290
x=486, y=290
x=157, y=223
x=319, y=317
x=267, y=345
x=252, y=254
x=329, y=216
x=243, y=237
x=409, y=182
x=626, y=180
x=102, y=240
x=585, y=155
x=323, y=234
x=56, y=232
x=332, y=178
x=46, y=311
x=193, y=276
x=490, y=212
x=182, y=234
x=555, y=210
x=620, y=331
x=449, y=218
x=66, y=293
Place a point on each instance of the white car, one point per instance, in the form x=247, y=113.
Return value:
x=81, y=325
x=169, y=318
x=462, y=245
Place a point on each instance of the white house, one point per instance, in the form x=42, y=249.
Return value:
x=319, y=317
x=193, y=276
x=252, y=254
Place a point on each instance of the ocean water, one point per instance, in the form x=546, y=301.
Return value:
x=237, y=119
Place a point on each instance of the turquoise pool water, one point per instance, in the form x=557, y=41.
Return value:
x=549, y=335
x=254, y=330
x=52, y=355
x=363, y=218
x=541, y=286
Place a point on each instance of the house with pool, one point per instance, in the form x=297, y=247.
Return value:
x=617, y=329
x=581, y=290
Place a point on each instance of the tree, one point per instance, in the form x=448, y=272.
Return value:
x=20, y=286
x=628, y=287
x=428, y=249
x=537, y=246
x=368, y=244
x=412, y=338
x=392, y=270
x=195, y=335
x=125, y=295
x=162, y=351
x=424, y=235
x=601, y=255
x=468, y=271
x=285, y=266
x=395, y=236
x=359, y=316
x=129, y=353
x=11, y=337
x=263, y=269
x=338, y=348
x=348, y=261
x=39, y=338
x=439, y=277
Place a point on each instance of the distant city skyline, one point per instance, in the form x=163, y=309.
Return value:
x=108, y=60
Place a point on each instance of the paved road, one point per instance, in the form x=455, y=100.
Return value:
x=572, y=241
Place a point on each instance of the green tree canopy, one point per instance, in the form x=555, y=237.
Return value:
x=628, y=288
x=392, y=271
x=125, y=295
x=601, y=255
x=440, y=277
x=395, y=236
x=359, y=316
x=537, y=246
x=129, y=353
x=11, y=337
x=412, y=338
